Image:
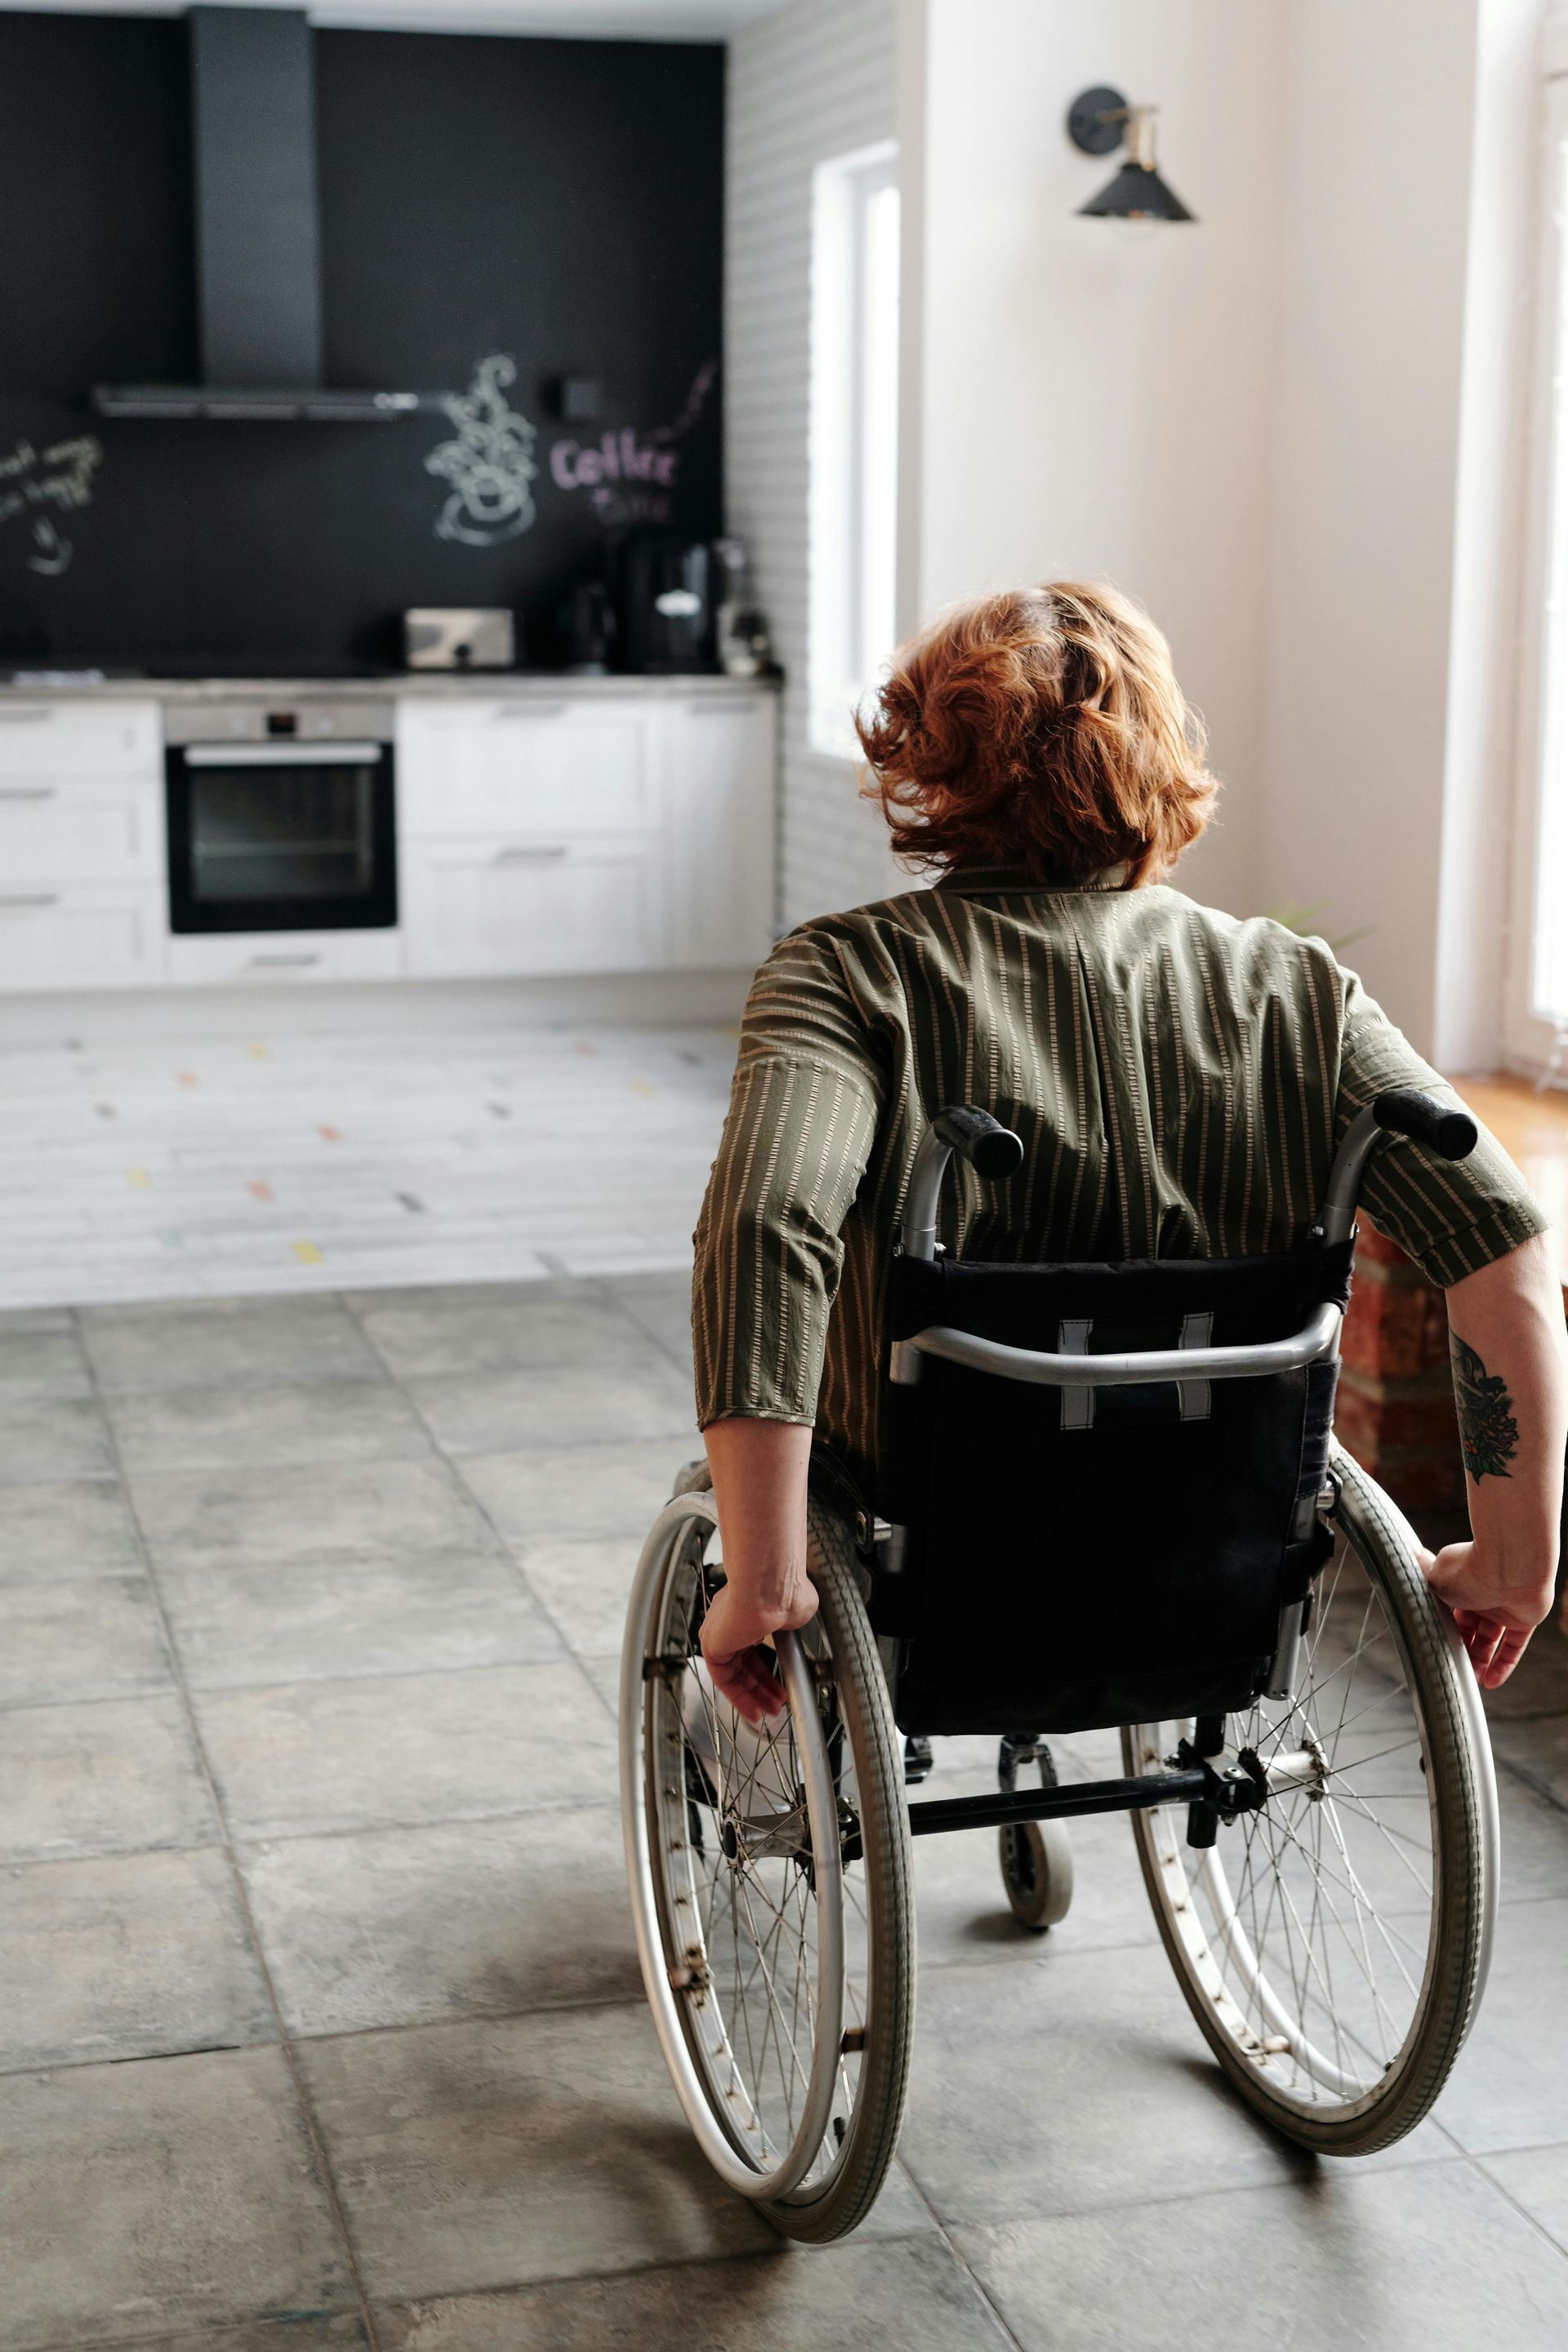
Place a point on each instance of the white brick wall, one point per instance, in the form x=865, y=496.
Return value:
x=811, y=80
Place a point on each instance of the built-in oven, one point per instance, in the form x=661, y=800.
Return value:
x=281, y=815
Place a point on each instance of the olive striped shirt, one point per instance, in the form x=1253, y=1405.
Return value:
x=1180, y=1080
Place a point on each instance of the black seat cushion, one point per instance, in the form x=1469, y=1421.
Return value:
x=1062, y=1576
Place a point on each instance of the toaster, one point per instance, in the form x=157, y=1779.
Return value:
x=437, y=637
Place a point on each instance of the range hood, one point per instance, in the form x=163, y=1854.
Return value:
x=258, y=264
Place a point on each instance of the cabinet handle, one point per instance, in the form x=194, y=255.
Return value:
x=26, y=717
x=30, y=899
x=532, y=854
x=721, y=707
x=26, y=791
x=277, y=960
x=509, y=710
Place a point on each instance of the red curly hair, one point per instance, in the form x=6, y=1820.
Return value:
x=1041, y=728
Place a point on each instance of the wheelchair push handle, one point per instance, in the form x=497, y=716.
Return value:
x=1401, y=1110
x=1405, y=1110
x=991, y=1148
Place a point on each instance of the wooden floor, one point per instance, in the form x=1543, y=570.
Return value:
x=257, y=1160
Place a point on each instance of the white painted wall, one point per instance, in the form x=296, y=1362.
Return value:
x=1096, y=399
x=812, y=80
x=1374, y=233
x=1294, y=430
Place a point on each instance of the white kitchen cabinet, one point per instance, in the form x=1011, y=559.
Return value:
x=718, y=831
x=260, y=959
x=79, y=737
x=77, y=828
x=80, y=935
x=527, y=763
x=83, y=897
x=514, y=905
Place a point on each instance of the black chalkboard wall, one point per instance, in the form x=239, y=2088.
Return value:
x=548, y=206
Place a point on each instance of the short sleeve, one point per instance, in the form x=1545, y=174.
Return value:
x=1453, y=1217
x=803, y=1117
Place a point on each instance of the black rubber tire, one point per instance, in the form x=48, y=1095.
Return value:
x=1037, y=1872
x=848, y=2192
x=1465, y=1881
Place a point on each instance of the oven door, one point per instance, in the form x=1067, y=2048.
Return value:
x=283, y=837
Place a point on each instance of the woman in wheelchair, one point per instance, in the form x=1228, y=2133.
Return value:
x=1048, y=1447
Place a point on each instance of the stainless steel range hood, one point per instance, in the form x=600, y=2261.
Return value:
x=259, y=266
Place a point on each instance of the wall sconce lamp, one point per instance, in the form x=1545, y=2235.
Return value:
x=1100, y=121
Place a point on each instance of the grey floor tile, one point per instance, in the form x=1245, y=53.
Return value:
x=889, y=2297
x=963, y=1913
x=345, y=2333
x=1538, y=1683
x=223, y=1428
x=661, y=1305
x=428, y=1340
x=541, y=1492
x=1537, y=1750
x=1534, y=1841
x=584, y=1582
x=130, y=1956
x=1536, y=2179
x=1509, y=2088
x=252, y=1514
x=1042, y=2090
x=297, y=1621
x=114, y=1776
x=403, y=1749
x=204, y=2203
x=65, y=1529
x=1423, y=2260
x=42, y=1363
x=96, y=1638
x=641, y=1395
x=500, y=2151
x=52, y=1437
x=20, y=1319
x=269, y=1340
x=464, y=1919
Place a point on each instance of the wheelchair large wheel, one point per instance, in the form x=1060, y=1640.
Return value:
x=1333, y=1945
x=771, y=1883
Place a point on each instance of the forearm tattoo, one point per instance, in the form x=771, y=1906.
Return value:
x=1488, y=1433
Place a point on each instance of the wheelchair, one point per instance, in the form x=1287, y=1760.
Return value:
x=1136, y=1463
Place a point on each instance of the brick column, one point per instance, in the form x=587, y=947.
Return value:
x=1395, y=1410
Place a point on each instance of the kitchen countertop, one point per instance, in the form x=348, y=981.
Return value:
x=412, y=685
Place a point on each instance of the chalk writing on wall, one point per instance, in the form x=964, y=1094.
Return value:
x=625, y=473
x=489, y=462
x=58, y=477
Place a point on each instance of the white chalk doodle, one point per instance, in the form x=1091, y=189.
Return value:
x=59, y=476
x=490, y=464
x=53, y=551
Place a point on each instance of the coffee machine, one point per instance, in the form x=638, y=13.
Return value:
x=668, y=605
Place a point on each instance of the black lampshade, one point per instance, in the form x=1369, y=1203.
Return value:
x=1137, y=193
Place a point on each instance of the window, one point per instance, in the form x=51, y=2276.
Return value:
x=1538, y=1006
x=853, y=435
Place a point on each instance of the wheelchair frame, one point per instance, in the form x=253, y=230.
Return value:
x=1212, y=1797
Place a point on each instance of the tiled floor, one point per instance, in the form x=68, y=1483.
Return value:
x=271, y=1157
x=321, y=2015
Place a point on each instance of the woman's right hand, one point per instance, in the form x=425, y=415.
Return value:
x=734, y=1633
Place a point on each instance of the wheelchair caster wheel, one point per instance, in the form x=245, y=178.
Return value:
x=1037, y=1872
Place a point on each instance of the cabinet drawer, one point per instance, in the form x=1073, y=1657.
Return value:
x=261, y=959
x=527, y=765
x=80, y=937
x=69, y=829
x=504, y=905
x=57, y=739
